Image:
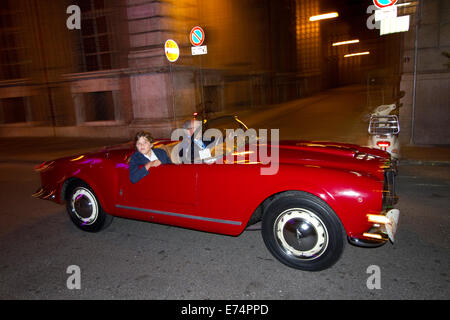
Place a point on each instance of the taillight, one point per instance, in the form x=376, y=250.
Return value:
x=383, y=144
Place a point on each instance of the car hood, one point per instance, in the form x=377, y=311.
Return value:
x=334, y=155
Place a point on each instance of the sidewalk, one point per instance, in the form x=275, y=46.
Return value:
x=425, y=155
x=37, y=150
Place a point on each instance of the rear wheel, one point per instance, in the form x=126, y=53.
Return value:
x=303, y=232
x=85, y=210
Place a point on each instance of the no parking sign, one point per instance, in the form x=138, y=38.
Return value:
x=197, y=36
x=384, y=3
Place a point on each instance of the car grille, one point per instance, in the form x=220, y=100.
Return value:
x=389, y=196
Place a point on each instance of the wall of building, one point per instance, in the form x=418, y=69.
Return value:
x=425, y=114
x=111, y=78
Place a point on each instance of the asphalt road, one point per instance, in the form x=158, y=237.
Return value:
x=41, y=251
x=139, y=260
x=333, y=115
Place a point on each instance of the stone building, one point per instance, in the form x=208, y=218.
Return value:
x=110, y=77
x=425, y=114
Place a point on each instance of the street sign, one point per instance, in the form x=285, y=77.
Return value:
x=197, y=36
x=386, y=13
x=394, y=25
x=172, y=51
x=384, y=3
x=199, y=50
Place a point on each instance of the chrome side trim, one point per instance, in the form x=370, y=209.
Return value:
x=187, y=216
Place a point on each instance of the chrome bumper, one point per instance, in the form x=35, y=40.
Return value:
x=385, y=226
x=366, y=243
x=379, y=233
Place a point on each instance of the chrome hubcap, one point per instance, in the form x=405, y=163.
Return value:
x=301, y=233
x=84, y=206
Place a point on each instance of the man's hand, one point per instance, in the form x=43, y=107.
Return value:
x=154, y=163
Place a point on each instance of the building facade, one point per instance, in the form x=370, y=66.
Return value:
x=425, y=113
x=110, y=77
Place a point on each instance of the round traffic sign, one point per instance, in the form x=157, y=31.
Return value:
x=172, y=51
x=384, y=3
x=197, y=36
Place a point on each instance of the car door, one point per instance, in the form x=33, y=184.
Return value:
x=226, y=193
x=166, y=191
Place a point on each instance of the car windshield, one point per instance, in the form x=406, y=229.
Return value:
x=223, y=123
x=233, y=134
x=221, y=135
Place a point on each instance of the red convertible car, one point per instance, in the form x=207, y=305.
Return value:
x=322, y=195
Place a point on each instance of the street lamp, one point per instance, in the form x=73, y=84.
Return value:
x=345, y=42
x=323, y=16
x=356, y=54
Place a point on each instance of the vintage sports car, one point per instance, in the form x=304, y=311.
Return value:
x=322, y=195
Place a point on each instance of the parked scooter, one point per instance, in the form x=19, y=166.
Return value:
x=384, y=129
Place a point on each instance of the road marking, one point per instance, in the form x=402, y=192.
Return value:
x=431, y=185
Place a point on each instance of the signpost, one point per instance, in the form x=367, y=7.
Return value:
x=172, y=52
x=197, y=37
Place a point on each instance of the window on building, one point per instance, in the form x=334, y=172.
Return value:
x=12, y=49
x=99, y=106
x=13, y=110
x=97, y=41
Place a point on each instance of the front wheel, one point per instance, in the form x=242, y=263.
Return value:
x=85, y=210
x=303, y=232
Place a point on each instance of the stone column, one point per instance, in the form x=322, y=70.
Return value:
x=148, y=24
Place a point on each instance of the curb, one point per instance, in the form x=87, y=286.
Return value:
x=410, y=162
